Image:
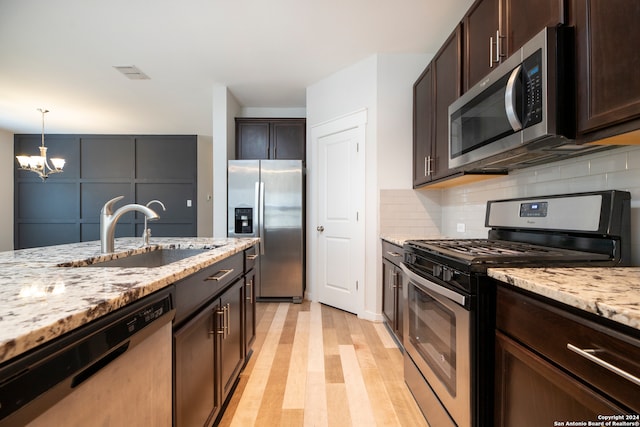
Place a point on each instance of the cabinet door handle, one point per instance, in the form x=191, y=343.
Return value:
x=498, y=54
x=252, y=257
x=220, y=275
x=589, y=354
x=491, y=52
x=222, y=313
x=250, y=286
x=227, y=326
x=393, y=254
x=215, y=330
x=429, y=169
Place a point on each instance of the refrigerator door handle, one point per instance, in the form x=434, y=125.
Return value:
x=256, y=209
x=261, y=218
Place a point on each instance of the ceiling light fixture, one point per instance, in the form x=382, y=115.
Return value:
x=39, y=164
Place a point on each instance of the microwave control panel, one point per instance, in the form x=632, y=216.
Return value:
x=532, y=76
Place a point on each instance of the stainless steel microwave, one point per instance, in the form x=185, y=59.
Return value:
x=522, y=113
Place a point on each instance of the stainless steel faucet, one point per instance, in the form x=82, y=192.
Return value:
x=108, y=220
x=146, y=233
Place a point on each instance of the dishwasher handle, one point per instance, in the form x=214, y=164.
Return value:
x=98, y=365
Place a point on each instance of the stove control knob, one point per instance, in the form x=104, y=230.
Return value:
x=437, y=270
x=447, y=274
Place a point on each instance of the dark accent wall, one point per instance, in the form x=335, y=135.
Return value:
x=66, y=208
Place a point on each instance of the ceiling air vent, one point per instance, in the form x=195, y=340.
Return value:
x=131, y=72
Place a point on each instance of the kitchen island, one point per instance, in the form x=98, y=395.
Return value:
x=86, y=337
x=42, y=301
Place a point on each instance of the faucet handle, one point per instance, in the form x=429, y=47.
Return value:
x=107, y=208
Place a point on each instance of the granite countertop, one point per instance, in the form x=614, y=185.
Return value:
x=41, y=300
x=400, y=239
x=613, y=293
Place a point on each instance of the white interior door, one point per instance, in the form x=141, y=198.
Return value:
x=340, y=218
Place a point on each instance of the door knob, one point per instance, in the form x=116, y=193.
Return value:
x=320, y=228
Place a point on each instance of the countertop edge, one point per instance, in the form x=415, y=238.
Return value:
x=610, y=293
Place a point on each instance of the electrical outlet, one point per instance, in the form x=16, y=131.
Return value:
x=188, y=203
x=460, y=227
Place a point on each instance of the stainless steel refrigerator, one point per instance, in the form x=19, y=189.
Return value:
x=265, y=199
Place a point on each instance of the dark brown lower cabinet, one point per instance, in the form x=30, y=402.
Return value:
x=392, y=303
x=530, y=391
x=543, y=370
x=229, y=325
x=196, y=397
x=209, y=354
x=250, y=281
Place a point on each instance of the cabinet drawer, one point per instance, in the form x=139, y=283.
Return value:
x=250, y=258
x=197, y=289
x=551, y=331
x=392, y=252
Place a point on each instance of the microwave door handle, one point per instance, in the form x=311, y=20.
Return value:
x=510, y=100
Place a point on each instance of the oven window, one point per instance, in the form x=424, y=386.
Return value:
x=432, y=332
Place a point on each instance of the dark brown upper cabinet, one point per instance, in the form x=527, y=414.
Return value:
x=447, y=82
x=262, y=139
x=436, y=88
x=480, y=25
x=494, y=29
x=422, y=126
x=607, y=63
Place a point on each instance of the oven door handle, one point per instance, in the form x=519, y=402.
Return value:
x=440, y=290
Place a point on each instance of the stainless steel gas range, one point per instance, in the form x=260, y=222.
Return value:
x=449, y=316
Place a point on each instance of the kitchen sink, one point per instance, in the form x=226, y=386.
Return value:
x=156, y=258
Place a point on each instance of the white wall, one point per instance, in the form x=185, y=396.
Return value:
x=396, y=75
x=7, y=166
x=381, y=84
x=225, y=109
x=347, y=91
x=291, y=113
x=205, y=186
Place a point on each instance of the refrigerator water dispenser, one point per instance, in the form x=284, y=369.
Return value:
x=244, y=221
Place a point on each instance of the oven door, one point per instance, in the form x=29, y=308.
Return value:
x=437, y=322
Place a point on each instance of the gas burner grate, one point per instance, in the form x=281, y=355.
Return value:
x=485, y=247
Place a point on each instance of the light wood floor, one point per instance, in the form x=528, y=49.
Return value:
x=314, y=365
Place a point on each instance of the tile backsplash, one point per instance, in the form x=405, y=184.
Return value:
x=410, y=213
x=463, y=208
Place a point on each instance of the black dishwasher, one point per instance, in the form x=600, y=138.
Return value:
x=37, y=380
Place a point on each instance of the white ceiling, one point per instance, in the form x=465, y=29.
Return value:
x=60, y=55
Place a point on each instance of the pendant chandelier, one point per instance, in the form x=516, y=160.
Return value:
x=39, y=164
